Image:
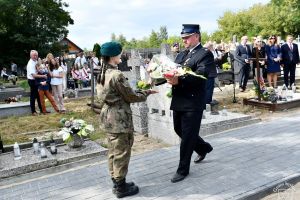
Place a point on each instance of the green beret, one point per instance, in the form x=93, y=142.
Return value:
x=111, y=49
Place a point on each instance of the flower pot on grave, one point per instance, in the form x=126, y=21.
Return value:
x=76, y=141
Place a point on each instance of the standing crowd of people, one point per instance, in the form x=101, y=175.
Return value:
x=273, y=57
x=80, y=73
x=45, y=78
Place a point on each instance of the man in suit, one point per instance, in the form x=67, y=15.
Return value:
x=188, y=99
x=242, y=55
x=290, y=57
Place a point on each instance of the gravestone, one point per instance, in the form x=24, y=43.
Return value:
x=160, y=117
x=139, y=110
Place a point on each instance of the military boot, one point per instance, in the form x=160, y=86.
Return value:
x=115, y=185
x=123, y=189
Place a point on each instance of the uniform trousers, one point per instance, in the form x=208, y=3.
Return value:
x=119, y=151
x=210, y=85
x=187, y=126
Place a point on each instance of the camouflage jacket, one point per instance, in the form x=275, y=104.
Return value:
x=115, y=97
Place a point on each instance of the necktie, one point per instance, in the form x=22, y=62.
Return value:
x=246, y=50
x=291, y=47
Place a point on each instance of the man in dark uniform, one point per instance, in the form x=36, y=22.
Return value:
x=188, y=99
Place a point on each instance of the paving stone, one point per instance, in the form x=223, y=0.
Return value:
x=244, y=162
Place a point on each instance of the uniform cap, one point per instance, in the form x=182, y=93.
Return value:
x=111, y=49
x=189, y=29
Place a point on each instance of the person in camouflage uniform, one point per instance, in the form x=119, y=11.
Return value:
x=114, y=97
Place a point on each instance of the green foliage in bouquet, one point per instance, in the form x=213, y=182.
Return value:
x=142, y=85
x=74, y=126
x=169, y=93
x=226, y=66
x=256, y=87
x=267, y=94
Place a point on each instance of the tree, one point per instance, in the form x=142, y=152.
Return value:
x=122, y=40
x=31, y=24
x=286, y=16
x=131, y=44
x=279, y=17
x=172, y=40
x=96, y=50
x=163, y=33
x=217, y=36
x=113, y=37
x=154, y=41
x=144, y=43
x=204, y=37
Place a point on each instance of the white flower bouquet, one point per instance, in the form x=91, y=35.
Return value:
x=74, y=126
x=161, y=67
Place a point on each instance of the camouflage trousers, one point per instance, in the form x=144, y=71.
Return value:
x=119, y=151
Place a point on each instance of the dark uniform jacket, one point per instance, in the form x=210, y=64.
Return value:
x=189, y=94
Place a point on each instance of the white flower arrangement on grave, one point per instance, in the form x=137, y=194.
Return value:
x=74, y=127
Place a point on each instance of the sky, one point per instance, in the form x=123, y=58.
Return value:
x=96, y=20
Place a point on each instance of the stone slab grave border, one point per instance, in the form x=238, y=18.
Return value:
x=160, y=124
x=15, y=109
x=280, y=105
x=32, y=162
x=83, y=92
x=12, y=92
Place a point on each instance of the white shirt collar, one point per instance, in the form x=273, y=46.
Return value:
x=194, y=47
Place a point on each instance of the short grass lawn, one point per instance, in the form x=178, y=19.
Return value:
x=14, y=129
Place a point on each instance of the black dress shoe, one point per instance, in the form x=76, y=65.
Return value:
x=177, y=177
x=201, y=157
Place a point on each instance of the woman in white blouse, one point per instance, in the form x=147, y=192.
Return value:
x=56, y=73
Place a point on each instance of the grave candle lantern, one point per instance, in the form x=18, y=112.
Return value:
x=35, y=146
x=53, y=148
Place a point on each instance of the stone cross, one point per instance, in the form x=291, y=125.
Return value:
x=166, y=50
x=135, y=62
x=298, y=39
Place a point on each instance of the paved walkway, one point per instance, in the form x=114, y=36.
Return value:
x=244, y=161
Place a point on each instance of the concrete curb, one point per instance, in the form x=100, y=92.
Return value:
x=268, y=189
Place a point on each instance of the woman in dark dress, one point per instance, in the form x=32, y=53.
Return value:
x=273, y=59
x=261, y=54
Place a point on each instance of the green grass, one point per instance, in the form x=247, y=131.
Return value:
x=12, y=128
x=23, y=84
